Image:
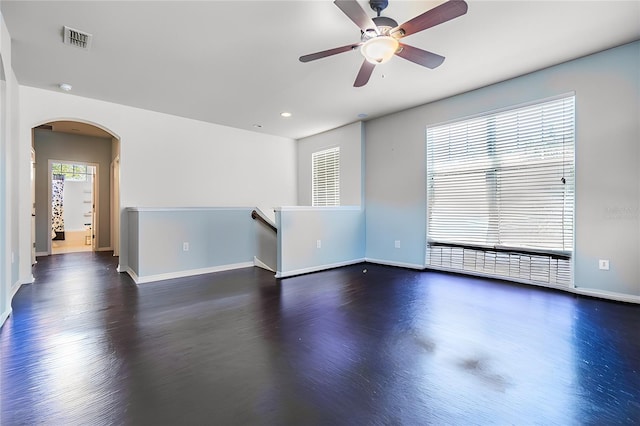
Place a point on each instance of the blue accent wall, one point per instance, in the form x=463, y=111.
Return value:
x=217, y=238
x=315, y=238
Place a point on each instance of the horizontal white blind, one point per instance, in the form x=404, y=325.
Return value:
x=501, y=185
x=326, y=177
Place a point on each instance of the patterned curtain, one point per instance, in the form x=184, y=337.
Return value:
x=57, y=220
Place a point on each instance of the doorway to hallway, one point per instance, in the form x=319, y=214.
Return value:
x=75, y=190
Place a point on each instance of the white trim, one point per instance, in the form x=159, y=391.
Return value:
x=319, y=208
x=397, y=264
x=42, y=253
x=131, y=273
x=188, y=273
x=286, y=274
x=95, y=185
x=260, y=264
x=71, y=118
x=603, y=294
x=16, y=286
x=182, y=209
x=5, y=316
x=14, y=289
x=104, y=249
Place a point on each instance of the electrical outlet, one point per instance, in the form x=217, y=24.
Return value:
x=397, y=244
x=603, y=264
x=319, y=244
x=185, y=246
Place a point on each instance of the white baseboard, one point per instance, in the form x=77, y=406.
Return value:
x=14, y=289
x=260, y=264
x=619, y=297
x=42, y=253
x=4, y=316
x=16, y=286
x=12, y=292
x=286, y=274
x=104, y=249
x=131, y=273
x=188, y=273
x=392, y=263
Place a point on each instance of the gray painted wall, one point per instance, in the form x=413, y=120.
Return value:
x=607, y=90
x=62, y=146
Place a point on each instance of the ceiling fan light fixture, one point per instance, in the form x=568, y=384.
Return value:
x=379, y=50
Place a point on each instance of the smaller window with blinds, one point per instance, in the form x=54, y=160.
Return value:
x=325, y=168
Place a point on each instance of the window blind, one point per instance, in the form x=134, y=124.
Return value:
x=326, y=177
x=500, y=193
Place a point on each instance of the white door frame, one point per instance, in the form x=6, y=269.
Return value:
x=94, y=225
x=115, y=205
x=33, y=206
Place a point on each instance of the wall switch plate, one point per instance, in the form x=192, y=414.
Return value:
x=397, y=244
x=185, y=246
x=603, y=264
x=319, y=244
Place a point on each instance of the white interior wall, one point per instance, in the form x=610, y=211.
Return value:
x=169, y=161
x=607, y=90
x=9, y=188
x=4, y=267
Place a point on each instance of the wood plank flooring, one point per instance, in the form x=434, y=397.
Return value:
x=84, y=345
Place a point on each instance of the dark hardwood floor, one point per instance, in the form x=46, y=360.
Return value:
x=84, y=345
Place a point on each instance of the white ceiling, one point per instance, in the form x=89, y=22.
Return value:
x=236, y=62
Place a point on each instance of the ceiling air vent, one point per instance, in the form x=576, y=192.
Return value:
x=77, y=38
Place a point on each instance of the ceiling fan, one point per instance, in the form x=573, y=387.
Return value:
x=380, y=36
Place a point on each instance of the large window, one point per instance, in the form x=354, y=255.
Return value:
x=326, y=177
x=500, y=193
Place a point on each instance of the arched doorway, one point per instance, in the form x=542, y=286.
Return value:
x=75, y=191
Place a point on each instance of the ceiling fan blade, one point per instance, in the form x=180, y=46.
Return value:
x=439, y=14
x=330, y=52
x=352, y=9
x=419, y=56
x=364, y=74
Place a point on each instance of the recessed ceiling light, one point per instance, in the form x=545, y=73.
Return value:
x=257, y=126
x=362, y=115
x=285, y=114
x=65, y=86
